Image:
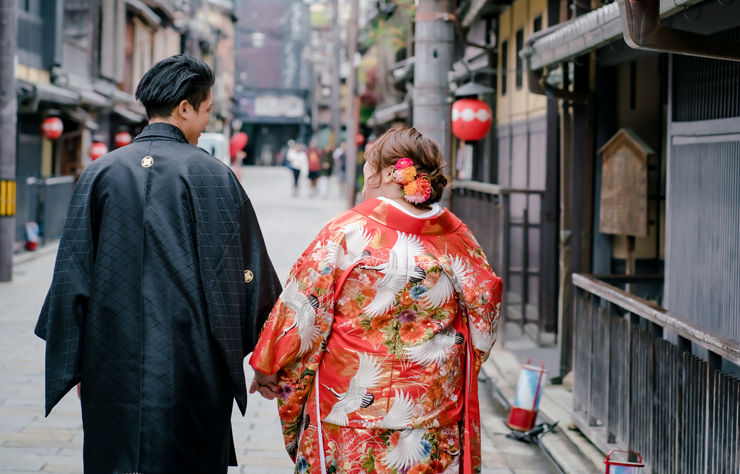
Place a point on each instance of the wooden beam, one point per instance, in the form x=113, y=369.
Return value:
x=651, y=311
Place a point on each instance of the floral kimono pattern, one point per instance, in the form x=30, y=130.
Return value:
x=380, y=333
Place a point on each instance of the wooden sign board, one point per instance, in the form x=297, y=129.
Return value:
x=624, y=185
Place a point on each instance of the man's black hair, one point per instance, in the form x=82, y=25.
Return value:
x=172, y=80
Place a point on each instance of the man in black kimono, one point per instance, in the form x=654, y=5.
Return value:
x=161, y=286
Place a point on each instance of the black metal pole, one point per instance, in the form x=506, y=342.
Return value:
x=336, y=113
x=8, y=118
x=353, y=112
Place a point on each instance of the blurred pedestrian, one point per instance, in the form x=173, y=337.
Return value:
x=314, y=166
x=376, y=343
x=298, y=162
x=327, y=165
x=161, y=286
x=340, y=159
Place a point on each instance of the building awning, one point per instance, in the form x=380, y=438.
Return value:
x=480, y=8
x=164, y=9
x=146, y=13
x=93, y=99
x=390, y=113
x=49, y=93
x=477, y=66
x=585, y=33
x=128, y=115
x=115, y=94
x=403, y=71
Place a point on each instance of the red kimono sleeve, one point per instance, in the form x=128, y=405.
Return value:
x=294, y=336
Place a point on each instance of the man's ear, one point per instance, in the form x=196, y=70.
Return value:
x=184, y=108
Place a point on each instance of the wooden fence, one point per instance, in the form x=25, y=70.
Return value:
x=638, y=386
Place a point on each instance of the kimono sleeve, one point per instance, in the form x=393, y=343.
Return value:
x=294, y=337
x=240, y=283
x=482, y=294
x=62, y=319
x=263, y=284
x=302, y=317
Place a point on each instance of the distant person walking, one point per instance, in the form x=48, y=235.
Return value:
x=327, y=167
x=340, y=159
x=314, y=166
x=298, y=161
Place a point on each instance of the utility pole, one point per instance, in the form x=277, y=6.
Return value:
x=353, y=107
x=8, y=117
x=336, y=114
x=192, y=42
x=433, y=53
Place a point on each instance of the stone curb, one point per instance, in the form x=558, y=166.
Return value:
x=26, y=256
x=573, y=453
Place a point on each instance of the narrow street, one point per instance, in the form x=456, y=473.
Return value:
x=31, y=443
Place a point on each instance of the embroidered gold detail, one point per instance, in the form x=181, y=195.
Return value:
x=147, y=161
x=430, y=229
x=380, y=213
x=248, y=276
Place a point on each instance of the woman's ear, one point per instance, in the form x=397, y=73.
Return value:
x=387, y=175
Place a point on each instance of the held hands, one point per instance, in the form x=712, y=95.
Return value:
x=266, y=385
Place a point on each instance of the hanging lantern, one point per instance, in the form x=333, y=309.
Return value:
x=359, y=139
x=616, y=466
x=98, y=149
x=471, y=119
x=122, y=139
x=523, y=413
x=237, y=143
x=52, y=128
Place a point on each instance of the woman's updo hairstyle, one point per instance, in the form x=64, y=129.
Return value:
x=400, y=143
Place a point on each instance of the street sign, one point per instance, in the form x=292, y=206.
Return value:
x=624, y=185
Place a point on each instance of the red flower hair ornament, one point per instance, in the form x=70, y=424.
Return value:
x=415, y=188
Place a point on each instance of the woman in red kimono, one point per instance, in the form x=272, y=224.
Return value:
x=379, y=335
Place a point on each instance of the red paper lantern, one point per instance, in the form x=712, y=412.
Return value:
x=359, y=139
x=52, y=128
x=237, y=143
x=471, y=119
x=97, y=150
x=122, y=139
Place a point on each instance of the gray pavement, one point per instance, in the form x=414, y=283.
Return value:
x=31, y=443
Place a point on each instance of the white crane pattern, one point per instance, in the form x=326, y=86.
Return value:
x=399, y=416
x=435, y=350
x=409, y=450
x=455, y=277
x=356, y=240
x=305, y=315
x=357, y=396
x=398, y=271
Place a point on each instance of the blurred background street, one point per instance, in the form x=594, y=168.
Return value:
x=599, y=175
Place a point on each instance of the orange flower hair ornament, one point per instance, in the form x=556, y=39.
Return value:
x=415, y=187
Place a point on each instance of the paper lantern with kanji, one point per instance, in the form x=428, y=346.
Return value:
x=122, y=139
x=52, y=128
x=471, y=119
x=97, y=150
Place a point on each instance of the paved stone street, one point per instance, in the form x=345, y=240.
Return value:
x=31, y=443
